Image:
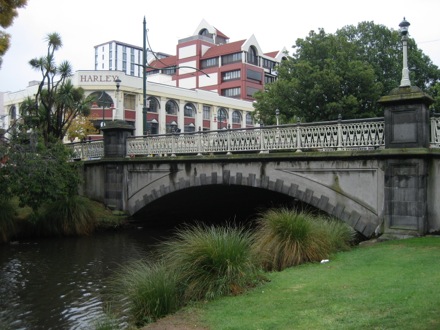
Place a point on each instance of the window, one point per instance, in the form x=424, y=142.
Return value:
x=254, y=75
x=189, y=110
x=231, y=75
x=252, y=57
x=249, y=120
x=250, y=91
x=231, y=92
x=130, y=101
x=222, y=118
x=236, y=117
x=171, y=107
x=169, y=71
x=268, y=64
x=269, y=79
x=206, y=112
x=153, y=104
x=231, y=58
x=208, y=63
x=13, y=112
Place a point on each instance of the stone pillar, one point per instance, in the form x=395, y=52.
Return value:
x=115, y=146
x=406, y=126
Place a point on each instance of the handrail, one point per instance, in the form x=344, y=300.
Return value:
x=353, y=134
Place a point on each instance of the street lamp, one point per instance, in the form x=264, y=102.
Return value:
x=220, y=118
x=405, y=82
x=118, y=114
x=277, y=114
x=173, y=126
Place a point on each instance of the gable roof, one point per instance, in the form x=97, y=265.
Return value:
x=162, y=63
x=230, y=48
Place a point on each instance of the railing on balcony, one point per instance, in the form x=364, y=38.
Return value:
x=367, y=134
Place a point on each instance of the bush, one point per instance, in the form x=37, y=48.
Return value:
x=148, y=291
x=7, y=220
x=73, y=216
x=286, y=238
x=212, y=261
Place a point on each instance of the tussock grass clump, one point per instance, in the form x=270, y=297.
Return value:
x=146, y=290
x=7, y=220
x=72, y=216
x=212, y=261
x=286, y=238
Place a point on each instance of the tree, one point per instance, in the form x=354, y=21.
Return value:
x=57, y=102
x=8, y=12
x=82, y=127
x=341, y=74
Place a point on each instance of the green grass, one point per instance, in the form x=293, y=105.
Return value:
x=390, y=285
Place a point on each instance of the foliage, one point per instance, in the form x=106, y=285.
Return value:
x=212, y=261
x=342, y=74
x=286, y=238
x=57, y=102
x=7, y=220
x=71, y=216
x=389, y=285
x=38, y=173
x=148, y=291
x=81, y=127
x=8, y=13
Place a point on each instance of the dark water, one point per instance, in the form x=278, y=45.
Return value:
x=58, y=283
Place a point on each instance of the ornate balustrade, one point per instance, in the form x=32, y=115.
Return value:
x=364, y=134
x=336, y=135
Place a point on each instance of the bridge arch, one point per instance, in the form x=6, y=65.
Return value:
x=349, y=191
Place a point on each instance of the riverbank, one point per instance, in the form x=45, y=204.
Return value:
x=388, y=285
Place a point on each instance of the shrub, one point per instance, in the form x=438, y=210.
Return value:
x=286, y=238
x=148, y=291
x=212, y=261
x=7, y=220
x=341, y=235
x=72, y=216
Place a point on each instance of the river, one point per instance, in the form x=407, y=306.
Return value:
x=58, y=283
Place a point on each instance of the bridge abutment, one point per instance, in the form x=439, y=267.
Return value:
x=406, y=188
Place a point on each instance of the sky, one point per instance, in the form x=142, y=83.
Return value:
x=83, y=24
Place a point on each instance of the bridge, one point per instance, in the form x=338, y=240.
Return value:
x=379, y=175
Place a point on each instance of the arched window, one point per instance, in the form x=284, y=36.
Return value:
x=13, y=112
x=189, y=110
x=222, y=118
x=102, y=99
x=171, y=107
x=236, y=117
x=252, y=57
x=154, y=105
x=249, y=120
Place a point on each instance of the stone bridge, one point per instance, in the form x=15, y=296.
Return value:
x=386, y=188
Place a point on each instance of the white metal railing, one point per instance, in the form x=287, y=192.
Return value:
x=87, y=150
x=364, y=134
x=336, y=135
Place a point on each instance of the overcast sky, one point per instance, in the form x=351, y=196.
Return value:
x=83, y=24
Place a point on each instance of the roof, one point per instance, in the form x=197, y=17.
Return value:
x=230, y=48
x=162, y=63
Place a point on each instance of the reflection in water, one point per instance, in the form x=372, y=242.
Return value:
x=58, y=283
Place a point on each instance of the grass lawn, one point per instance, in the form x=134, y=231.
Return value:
x=389, y=285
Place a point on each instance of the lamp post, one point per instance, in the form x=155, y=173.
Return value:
x=173, y=126
x=118, y=114
x=219, y=119
x=405, y=82
x=277, y=114
x=144, y=80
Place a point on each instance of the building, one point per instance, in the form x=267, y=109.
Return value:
x=205, y=60
x=170, y=108
x=120, y=56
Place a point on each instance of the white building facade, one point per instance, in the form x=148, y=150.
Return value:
x=169, y=108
